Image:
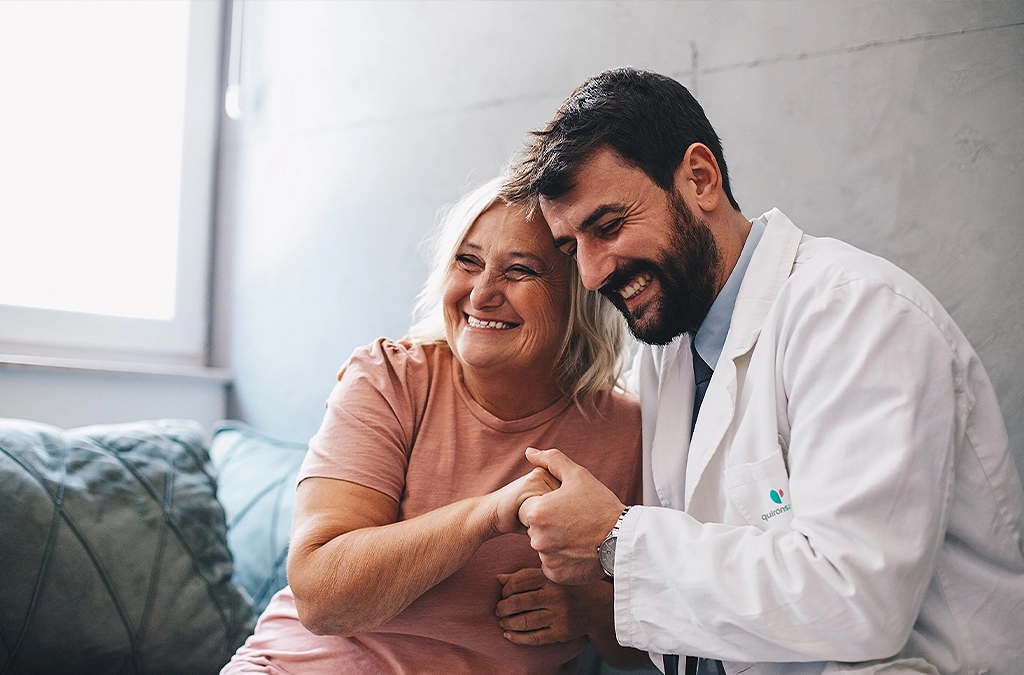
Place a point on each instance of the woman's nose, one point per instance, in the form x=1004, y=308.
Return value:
x=486, y=291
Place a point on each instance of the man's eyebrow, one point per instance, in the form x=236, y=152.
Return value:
x=599, y=213
x=588, y=222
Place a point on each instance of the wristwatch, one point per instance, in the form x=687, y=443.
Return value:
x=606, y=551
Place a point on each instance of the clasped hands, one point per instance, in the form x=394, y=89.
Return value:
x=567, y=513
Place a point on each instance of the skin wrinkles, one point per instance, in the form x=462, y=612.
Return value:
x=508, y=270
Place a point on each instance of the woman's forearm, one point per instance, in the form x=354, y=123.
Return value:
x=359, y=580
x=352, y=567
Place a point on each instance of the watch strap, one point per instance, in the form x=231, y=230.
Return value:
x=618, y=522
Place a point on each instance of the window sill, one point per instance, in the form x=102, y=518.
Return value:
x=166, y=371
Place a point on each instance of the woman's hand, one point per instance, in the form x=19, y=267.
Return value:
x=508, y=500
x=537, y=611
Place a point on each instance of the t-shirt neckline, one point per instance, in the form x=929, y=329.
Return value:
x=494, y=422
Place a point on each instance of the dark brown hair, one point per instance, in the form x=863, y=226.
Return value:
x=648, y=119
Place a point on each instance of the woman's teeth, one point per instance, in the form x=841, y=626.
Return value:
x=477, y=323
x=639, y=284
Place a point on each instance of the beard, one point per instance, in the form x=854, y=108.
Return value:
x=687, y=272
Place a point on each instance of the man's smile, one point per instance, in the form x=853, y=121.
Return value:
x=638, y=284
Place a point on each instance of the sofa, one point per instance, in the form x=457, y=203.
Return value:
x=147, y=547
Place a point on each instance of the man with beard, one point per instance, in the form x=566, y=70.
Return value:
x=845, y=500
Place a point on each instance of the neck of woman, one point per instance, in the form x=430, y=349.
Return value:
x=512, y=396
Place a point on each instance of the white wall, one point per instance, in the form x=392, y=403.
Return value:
x=893, y=125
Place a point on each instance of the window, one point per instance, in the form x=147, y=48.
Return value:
x=107, y=153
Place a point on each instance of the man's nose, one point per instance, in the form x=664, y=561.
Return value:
x=594, y=265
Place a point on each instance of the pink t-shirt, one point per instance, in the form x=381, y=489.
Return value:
x=401, y=421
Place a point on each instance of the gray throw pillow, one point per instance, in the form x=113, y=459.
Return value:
x=256, y=478
x=113, y=552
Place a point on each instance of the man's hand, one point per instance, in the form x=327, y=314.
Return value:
x=537, y=611
x=567, y=525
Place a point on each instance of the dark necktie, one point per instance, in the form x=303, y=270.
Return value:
x=702, y=373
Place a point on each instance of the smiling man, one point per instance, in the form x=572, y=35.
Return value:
x=827, y=484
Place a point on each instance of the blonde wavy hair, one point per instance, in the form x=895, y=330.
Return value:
x=593, y=351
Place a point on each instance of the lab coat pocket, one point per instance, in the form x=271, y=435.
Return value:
x=760, y=491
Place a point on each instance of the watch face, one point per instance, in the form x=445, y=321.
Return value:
x=606, y=554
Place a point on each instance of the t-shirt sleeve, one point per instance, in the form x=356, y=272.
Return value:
x=371, y=417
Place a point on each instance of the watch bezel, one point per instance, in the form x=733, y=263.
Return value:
x=606, y=553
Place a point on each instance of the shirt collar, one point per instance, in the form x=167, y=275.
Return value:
x=710, y=338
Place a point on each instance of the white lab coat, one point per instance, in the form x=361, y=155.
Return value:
x=847, y=495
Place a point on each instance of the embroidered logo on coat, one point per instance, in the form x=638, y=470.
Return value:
x=776, y=496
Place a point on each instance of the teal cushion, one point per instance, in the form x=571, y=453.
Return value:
x=113, y=552
x=256, y=478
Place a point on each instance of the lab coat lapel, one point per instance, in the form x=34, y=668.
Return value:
x=769, y=268
x=671, y=440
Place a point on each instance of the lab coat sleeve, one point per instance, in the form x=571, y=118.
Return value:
x=866, y=381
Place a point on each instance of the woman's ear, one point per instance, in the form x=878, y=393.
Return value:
x=698, y=178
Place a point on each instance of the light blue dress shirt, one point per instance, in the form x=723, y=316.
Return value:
x=710, y=338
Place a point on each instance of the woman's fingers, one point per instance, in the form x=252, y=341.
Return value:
x=534, y=610
x=544, y=636
x=539, y=627
x=526, y=579
x=538, y=482
x=523, y=602
x=527, y=621
x=507, y=501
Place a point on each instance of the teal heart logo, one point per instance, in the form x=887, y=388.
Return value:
x=776, y=496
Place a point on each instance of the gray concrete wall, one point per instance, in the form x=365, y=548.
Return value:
x=897, y=126
x=69, y=397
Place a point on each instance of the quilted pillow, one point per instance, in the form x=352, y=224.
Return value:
x=256, y=478
x=113, y=552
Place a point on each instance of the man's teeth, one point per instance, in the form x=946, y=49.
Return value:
x=477, y=323
x=639, y=284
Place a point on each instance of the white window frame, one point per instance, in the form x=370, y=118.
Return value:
x=184, y=338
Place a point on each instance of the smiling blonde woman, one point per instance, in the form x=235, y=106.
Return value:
x=406, y=553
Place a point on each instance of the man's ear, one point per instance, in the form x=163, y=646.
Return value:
x=698, y=178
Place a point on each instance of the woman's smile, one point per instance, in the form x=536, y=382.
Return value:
x=474, y=322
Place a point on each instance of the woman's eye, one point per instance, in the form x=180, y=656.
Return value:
x=519, y=272
x=467, y=261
